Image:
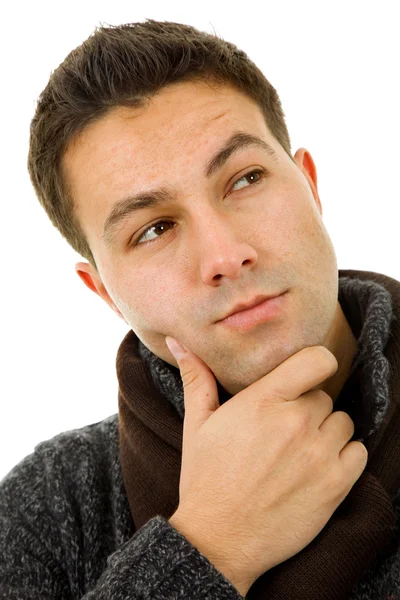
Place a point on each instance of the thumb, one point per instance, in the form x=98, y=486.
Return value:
x=199, y=386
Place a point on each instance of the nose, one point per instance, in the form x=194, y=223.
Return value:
x=223, y=250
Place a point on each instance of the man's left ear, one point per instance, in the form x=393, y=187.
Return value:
x=92, y=280
x=307, y=166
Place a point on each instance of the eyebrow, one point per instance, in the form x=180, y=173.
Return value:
x=238, y=141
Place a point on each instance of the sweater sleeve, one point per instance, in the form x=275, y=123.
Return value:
x=157, y=563
x=160, y=563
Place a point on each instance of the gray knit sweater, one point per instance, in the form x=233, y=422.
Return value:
x=66, y=532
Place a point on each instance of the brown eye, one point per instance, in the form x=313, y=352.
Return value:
x=258, y=173
x=160, y=226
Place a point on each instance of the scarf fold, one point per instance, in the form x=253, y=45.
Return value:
x=151, y=412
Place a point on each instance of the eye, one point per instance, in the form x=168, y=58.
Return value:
x=143, y=238
x=260, y=174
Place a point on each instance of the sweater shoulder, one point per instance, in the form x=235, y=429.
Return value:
x=69, y=492
x=69, y=454
x=102, y=436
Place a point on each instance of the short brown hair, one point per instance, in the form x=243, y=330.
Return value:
x=124, y=66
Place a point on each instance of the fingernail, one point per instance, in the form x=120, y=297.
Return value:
x=176, y=348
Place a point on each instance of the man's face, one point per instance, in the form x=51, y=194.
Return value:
x=223, y=238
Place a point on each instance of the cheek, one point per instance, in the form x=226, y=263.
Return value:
x=149, y=298
x=291, y=228
x=278, y=225
x=309, y=243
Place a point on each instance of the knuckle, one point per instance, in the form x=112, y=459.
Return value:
x=298, y=421
x=363, y=454
x=318, y=455
x=320, y=396
x=280, y=389
x=346, y=420
x=325, y=359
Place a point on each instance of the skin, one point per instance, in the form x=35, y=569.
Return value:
x=228, y=242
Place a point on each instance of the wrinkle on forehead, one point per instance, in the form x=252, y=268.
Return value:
x=218, y=116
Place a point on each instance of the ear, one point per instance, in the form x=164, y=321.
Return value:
x=304, y=161
x=92, y=280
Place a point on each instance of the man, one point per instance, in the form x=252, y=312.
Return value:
x=264, y=461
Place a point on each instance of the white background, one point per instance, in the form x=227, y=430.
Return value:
x=336, y=68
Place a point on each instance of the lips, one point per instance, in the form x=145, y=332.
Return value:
x=271, y=309
x=241, y=306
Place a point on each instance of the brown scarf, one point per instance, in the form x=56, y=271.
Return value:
x=150, y=431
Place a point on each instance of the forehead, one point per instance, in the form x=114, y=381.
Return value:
x=173, y=134
x=182, y=108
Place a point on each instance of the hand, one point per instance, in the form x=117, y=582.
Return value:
x=262, y=474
